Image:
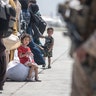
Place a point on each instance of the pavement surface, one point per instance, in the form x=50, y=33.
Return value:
x=55, y=81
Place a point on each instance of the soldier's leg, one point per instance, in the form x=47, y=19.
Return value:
x=80, y=81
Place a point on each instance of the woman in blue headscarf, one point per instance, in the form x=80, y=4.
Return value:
x=35, y=33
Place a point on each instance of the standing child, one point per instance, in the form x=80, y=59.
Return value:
x=26, y=57
x=48, y=46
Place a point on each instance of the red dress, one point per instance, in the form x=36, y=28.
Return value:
x=23, y=50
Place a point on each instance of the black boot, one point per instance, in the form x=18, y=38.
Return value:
x=1, y=87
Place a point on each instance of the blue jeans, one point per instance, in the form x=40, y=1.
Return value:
x=36, y=51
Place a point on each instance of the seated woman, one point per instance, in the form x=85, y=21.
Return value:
x=32, y=30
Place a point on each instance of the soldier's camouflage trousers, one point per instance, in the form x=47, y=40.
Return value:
x=84, y=78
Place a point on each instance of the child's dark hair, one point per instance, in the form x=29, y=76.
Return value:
x=50, y=28
x=24, y=36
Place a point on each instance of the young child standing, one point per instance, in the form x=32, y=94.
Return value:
x=26, y=57
x=48, y=46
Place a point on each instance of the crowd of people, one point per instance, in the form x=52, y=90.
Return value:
x=31, y=52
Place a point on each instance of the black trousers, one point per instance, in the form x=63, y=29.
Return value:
x=2, y=68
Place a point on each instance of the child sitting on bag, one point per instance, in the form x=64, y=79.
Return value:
x=26, y=57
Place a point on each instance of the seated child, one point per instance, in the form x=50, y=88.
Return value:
x=26, y=57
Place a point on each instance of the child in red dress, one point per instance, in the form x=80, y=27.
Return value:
x=26, y=57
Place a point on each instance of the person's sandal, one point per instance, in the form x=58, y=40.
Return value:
x=29, y=80
x=49, y=66
x=1, y=88
x=37, y=80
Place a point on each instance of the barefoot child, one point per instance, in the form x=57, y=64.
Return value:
x=48, y=46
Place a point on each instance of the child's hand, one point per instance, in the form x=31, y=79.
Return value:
x=49, y=50
x=29, y=53
x=41, y=48
x=32, y=54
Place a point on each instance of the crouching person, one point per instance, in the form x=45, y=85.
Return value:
x=26, y=57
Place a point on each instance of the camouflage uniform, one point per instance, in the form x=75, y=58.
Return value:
x=82, y=19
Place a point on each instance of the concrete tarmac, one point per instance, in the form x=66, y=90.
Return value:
x=55, y=81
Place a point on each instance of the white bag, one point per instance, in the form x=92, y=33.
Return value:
x=11, y=42
x=17, y=71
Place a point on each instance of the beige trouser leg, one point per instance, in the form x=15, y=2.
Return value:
x=80, y=81
x=7, y=56
x=11, y=55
